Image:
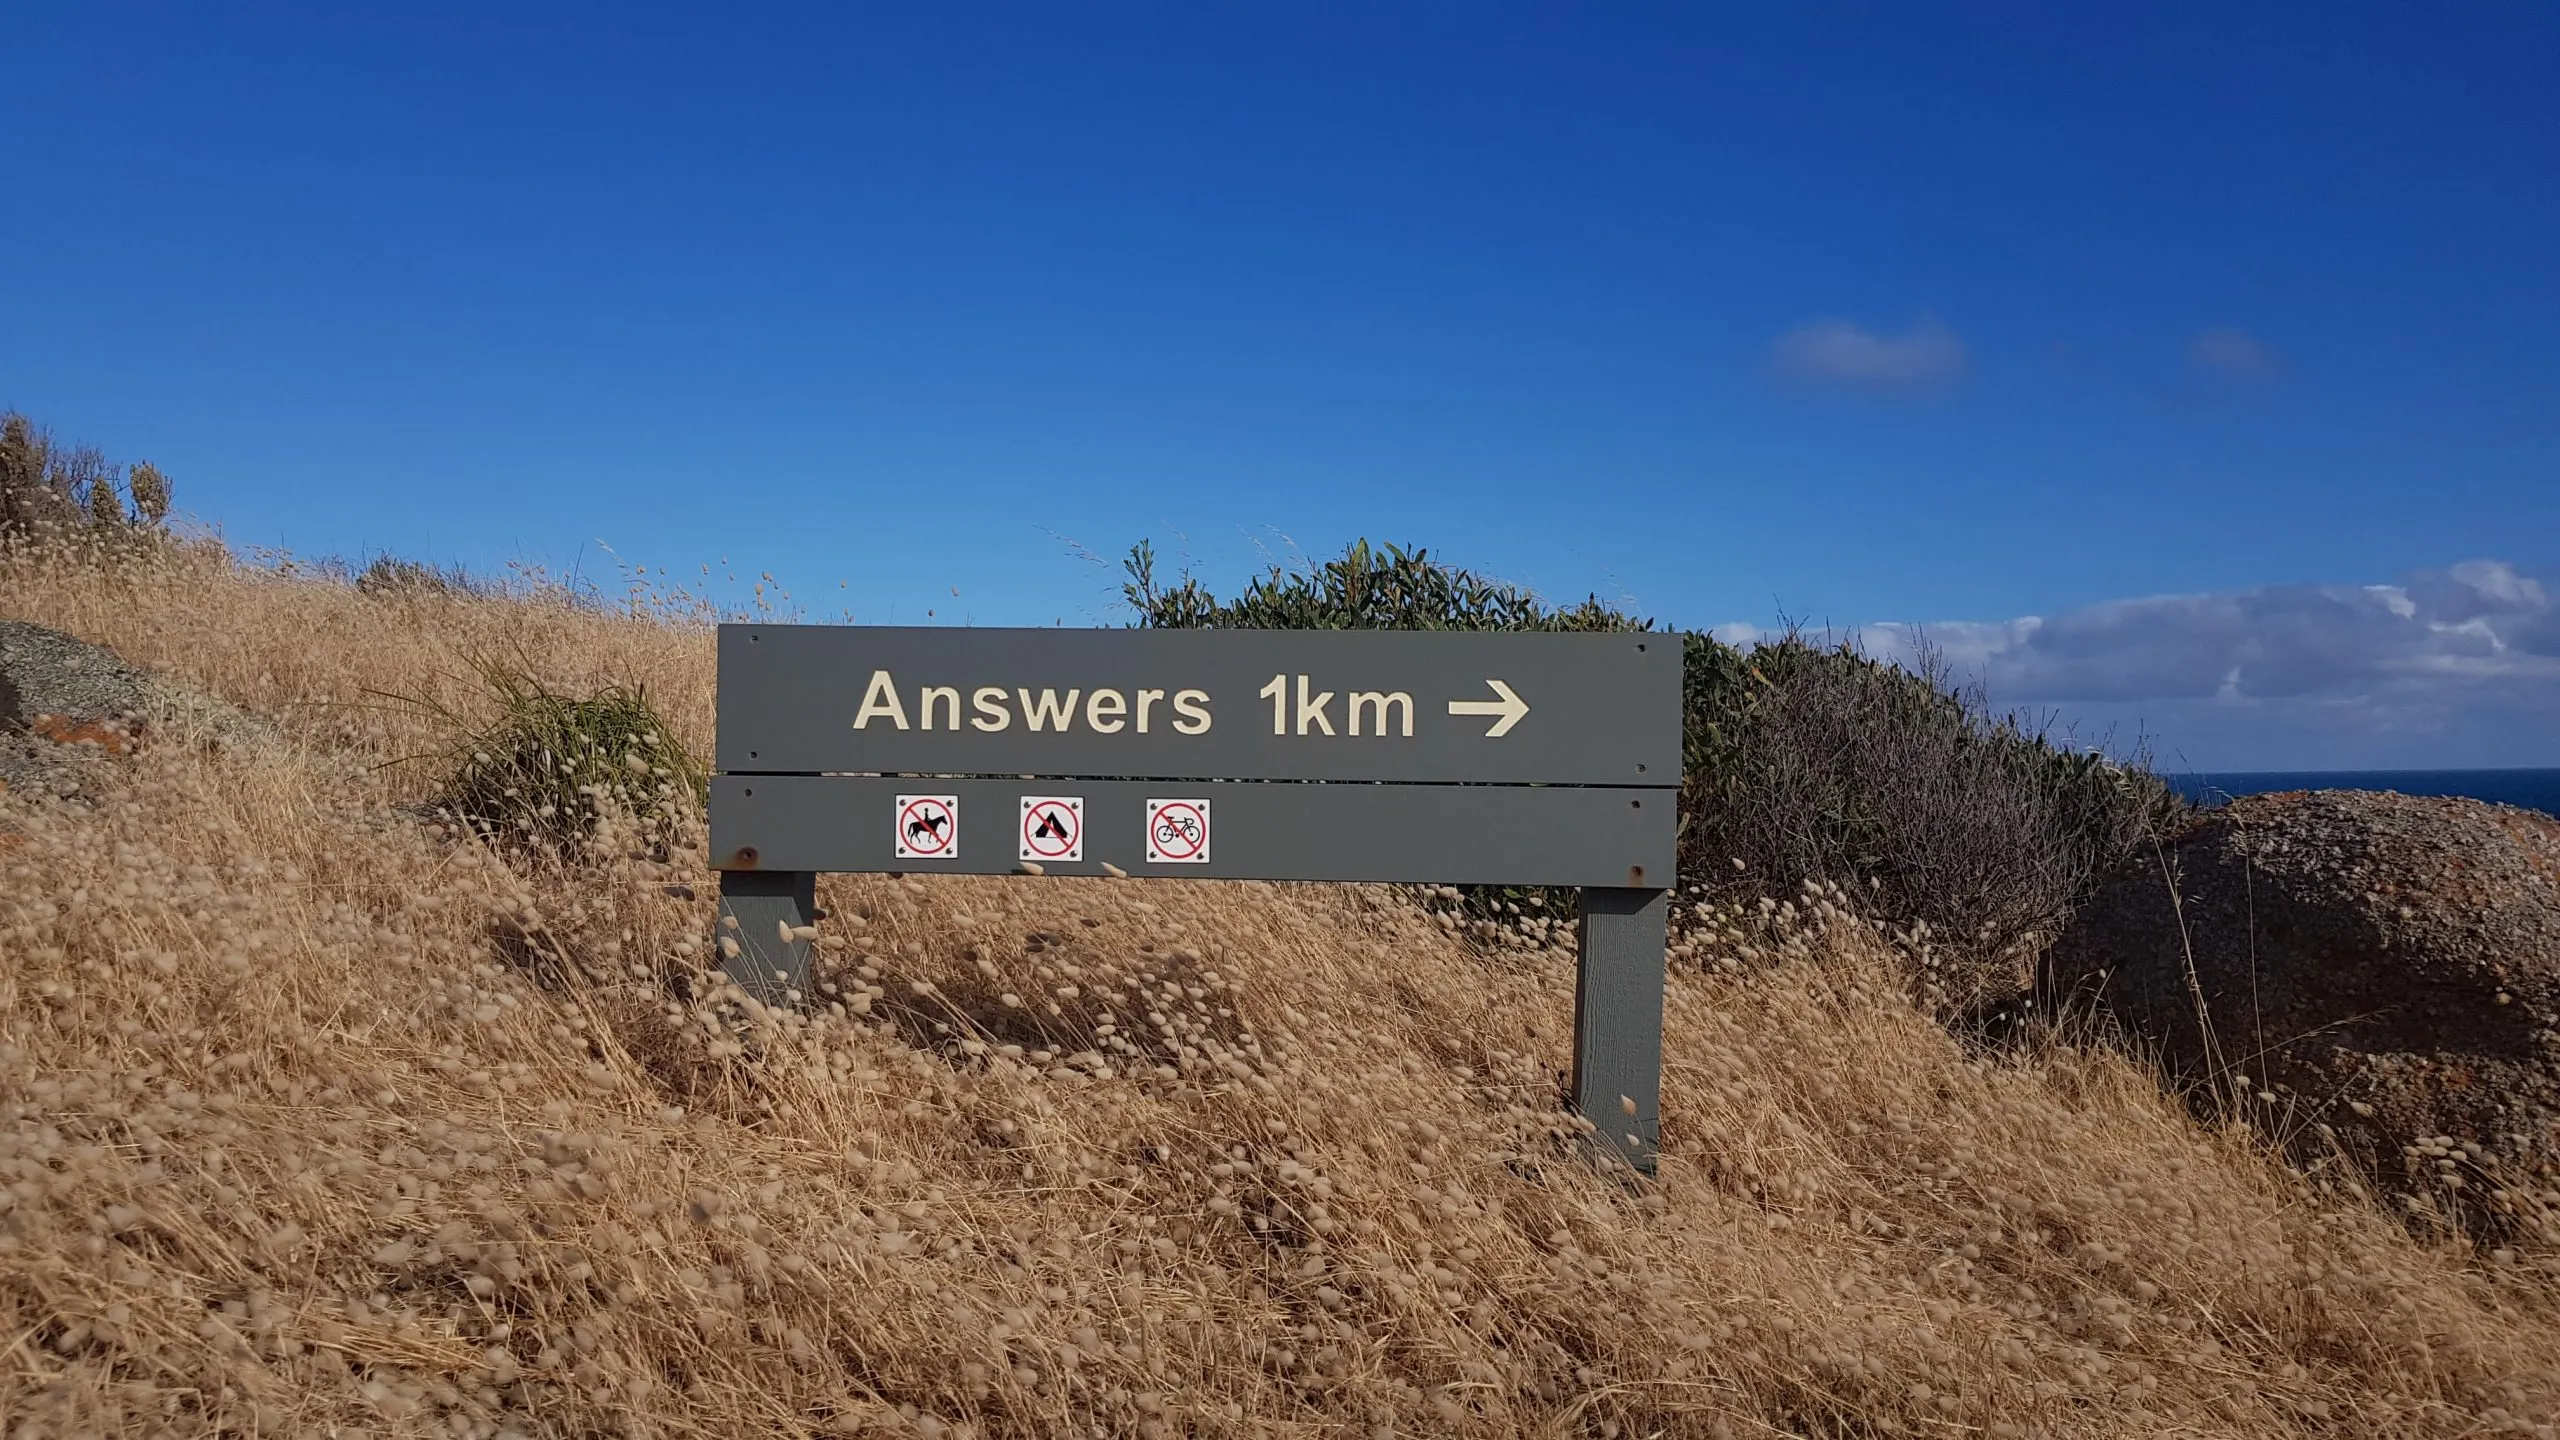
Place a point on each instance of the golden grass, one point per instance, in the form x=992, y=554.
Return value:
x=316, y=1118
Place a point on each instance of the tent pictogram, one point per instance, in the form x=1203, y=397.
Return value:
x=1052, y=827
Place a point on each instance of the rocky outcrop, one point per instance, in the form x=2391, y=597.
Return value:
x=67, y=706
x=64, y=703
x=2372, y=977
x=45, y=672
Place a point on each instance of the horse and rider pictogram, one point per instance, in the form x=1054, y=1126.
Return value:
x=928, y=827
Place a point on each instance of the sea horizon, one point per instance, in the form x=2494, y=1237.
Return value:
x=2528, y=787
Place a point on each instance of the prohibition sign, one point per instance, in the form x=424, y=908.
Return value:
x=928, y=827
x=1178, y=832
x=1052, y=827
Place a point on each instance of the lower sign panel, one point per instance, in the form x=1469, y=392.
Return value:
x=1423, y=834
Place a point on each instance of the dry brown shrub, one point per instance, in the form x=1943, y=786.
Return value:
x=315, y=1115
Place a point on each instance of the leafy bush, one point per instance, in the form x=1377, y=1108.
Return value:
x=1367, y=589
x=558, y=772
x=150, y=493
x=56, y=491
x=1803, y=763
x=1813, y=762
x=395, y=577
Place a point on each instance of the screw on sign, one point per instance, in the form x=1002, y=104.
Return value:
x=1052, y=827
x=928, y=827
x=1177, y=832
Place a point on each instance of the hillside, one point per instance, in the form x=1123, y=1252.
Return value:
x=317, y=1117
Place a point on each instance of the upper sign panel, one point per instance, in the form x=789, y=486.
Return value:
x=1487, y=708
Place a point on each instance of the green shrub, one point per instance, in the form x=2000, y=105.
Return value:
x=52, y=491
x=105, y=506
x=394, y=577
x=1803, y=762
x=1814, y=762
x=1367, y=589
x=556, y=772
x=29, y=503
x=150, y=493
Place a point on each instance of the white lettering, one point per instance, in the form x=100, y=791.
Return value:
x=1278, y=694
x=1377, y=705
x=988, y=701
x=880, y=702
x=1106, y=705
x=1313, y=709
x=1193, y=708
x=1044, y=712
x=924, y=705
x=1107, y=712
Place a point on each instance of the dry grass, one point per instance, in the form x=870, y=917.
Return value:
x=317, y=1118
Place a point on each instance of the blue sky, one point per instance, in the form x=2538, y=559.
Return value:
x=1869, y=316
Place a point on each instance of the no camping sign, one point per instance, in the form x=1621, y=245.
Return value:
x=1052, y=828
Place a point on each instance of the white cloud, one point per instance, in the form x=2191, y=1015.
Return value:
x=2451, y=667
x=2233, y=352
x=1839, y=352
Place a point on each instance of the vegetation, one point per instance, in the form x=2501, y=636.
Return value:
x=320, y=1112
x=56, y=490
x=555, y=772
x=1366, y=589
x=1971, y=829
x=396, y=577
x=1804, y=762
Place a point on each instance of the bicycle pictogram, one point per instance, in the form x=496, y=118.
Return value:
x=1177, y=832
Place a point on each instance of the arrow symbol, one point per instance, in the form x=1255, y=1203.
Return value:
x=1510, y=707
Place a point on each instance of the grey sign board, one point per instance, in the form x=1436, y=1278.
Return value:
x=1430, y=756
x=1430, y=834
x=1421, y=706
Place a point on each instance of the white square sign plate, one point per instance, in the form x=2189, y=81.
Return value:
x=1177, y=832
x=1052, y=828
x=928, y=827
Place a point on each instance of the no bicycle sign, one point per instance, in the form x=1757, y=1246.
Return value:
x=1438, y=757
x=1178, y=832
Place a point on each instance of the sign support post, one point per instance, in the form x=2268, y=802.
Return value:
x=1617, y=1019
x=758, y=910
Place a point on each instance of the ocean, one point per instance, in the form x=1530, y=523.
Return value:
x=2532, y=789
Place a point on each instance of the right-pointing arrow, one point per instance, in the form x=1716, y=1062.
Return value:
x=1510, y=707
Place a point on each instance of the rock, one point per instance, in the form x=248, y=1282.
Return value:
x=66, y=704
x=2386, y=968
x=45, y=672
x=31, y=765
x=63, y=703
x=22, y=768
